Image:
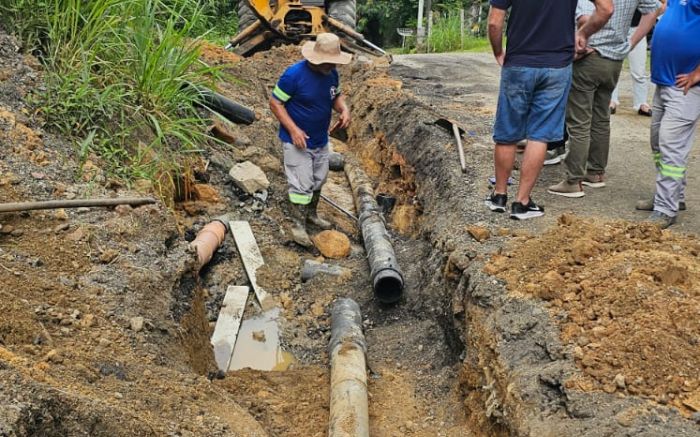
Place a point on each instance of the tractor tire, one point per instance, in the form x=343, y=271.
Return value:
x=246, y=17
x=344, y=11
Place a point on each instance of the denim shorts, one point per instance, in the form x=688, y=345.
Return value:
x=531, y=104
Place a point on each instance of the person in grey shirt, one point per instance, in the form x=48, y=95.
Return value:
x=595, y=75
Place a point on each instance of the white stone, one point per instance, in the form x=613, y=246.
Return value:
x=248, y=177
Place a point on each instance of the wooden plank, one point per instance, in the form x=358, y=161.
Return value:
x=228, y=324
x=251, y=256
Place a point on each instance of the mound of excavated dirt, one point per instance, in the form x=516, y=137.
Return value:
x=627, y=299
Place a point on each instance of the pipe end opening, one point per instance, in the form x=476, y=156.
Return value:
x=388, y=286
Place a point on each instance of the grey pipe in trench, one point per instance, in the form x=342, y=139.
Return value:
x=387, y=279
x=349, y=409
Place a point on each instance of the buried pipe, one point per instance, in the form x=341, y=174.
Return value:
x=349, y=410
x=232, y=111
x=75, y=203
x=387, y=279
x=209, y=239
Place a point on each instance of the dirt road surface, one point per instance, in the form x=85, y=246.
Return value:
x=450, y=81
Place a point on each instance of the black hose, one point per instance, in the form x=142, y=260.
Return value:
x=229, y=109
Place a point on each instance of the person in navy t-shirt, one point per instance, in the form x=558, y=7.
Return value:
x=675, y=69
x=535, y=81
x=303, y=101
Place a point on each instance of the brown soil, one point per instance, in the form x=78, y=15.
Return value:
x=626, y=298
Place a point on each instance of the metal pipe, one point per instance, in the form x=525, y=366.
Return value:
x=338, y=207
x=387, y=279
x=349, y=410
x=75, y=203
x=460, y=149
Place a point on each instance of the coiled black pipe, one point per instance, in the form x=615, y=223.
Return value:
x=387, y=279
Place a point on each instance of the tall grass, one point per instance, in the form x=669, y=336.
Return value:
x=447, y=36
x=115, y=71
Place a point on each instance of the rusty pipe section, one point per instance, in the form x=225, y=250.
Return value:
x=387, y=279
x=349, y=410
x=209, y=239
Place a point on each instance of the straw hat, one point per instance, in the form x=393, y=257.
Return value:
x=325, y=50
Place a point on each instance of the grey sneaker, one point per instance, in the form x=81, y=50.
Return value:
x=555, y=156
x=594, y=180
x=564, y=188
x=648, y=205
x=660, y=219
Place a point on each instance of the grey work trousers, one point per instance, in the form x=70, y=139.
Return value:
x=306, y=171
x=674, y=120
x=588, y=115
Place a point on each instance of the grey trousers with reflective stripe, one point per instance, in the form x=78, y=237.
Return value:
x=306, y=171
x=674, y=120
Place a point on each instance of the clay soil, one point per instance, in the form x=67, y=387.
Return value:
x=626, y=299
x=106, y=320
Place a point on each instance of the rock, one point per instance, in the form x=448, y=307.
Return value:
x=205, y=193
x=620, y=381
x=7, y=229
x=76, y=235
x=38, y=176
x=503, y=232
x=479, y=233
x=118, y=395
x=248, y=177
x=61, y=214
x=696, y=417
x=229, y=133
x=123, y=209
x=317, y=309
x=62, y=227
x=108, y=255
x=578, y=352
x=54, y=356
x=136, y=324
x=332, y=244
x=259, y=336
x=17, y=233
x=88, y=321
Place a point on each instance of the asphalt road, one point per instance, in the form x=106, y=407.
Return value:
x=461, y=84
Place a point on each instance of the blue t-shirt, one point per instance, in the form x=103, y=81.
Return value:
x=308, y=98
x=541, y=33
x=675, y=47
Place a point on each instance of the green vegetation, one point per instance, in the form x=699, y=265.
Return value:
x=115, y=72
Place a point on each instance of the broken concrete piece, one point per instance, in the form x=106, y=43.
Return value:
x=332, y=244
x=248, y=177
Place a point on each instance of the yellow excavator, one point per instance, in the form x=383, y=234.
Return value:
x=265, y=23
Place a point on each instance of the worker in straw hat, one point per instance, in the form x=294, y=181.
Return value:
x=303, y=101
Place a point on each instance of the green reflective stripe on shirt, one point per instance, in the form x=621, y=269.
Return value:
x=671, y=171
x=300, y=199
x=281, y=95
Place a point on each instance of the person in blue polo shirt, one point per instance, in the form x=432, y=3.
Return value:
x=303, y=101
x=675, y=69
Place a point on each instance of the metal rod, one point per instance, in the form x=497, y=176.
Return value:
x=349, y=409
x=75, y=203
x=462, y=160
x=339, y=208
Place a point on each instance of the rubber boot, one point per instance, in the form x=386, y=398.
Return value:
x=312, y=213
x=298, y=217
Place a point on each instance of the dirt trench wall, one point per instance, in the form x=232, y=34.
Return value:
x=515, y=365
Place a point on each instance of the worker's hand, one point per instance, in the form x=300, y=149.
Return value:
x=299, y=138
x=687, y=81
x=581, y=44
x=343, y=120
x=501, y=58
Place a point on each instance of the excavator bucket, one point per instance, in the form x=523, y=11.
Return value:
x=265, y=24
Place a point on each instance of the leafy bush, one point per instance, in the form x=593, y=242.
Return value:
x=117, y=74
